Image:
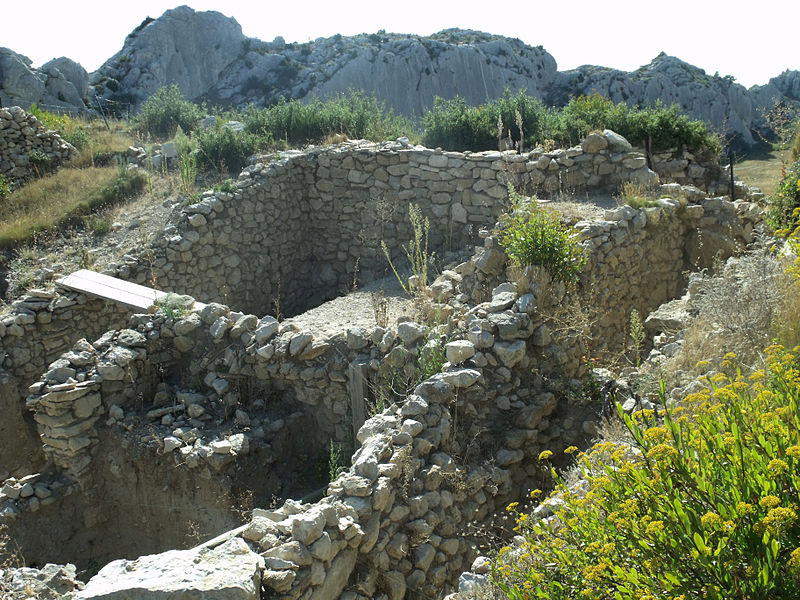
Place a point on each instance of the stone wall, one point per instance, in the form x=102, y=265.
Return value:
x=301, y=228
x=20, y=135
x=38, y=328
x=430, y=466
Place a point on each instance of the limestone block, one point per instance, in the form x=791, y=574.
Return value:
x=229, y=572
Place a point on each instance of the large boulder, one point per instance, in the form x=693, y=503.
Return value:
x=48, y=87
x=228, y=572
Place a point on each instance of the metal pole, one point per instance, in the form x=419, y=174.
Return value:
x=102, y=112
x=730, y=160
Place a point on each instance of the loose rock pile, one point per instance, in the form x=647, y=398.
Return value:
x=27, y=148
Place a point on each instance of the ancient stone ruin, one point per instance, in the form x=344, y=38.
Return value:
x=216, y=427
x=27, y=148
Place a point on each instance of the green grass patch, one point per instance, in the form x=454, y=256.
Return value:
x=56, y=199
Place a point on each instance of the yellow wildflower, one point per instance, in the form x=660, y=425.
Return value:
x=544, y=455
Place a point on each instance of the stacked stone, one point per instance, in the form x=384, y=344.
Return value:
x=304, y=223
x=78, y=389
x=30, y=493
x=22, y=133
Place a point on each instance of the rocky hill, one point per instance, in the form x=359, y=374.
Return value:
x=209, y=58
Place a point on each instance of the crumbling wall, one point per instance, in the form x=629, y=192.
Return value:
x=300, y=229
x=38, y=328
x=20, y=135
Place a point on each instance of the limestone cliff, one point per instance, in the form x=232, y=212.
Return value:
x=58, y=85
x=208, y=57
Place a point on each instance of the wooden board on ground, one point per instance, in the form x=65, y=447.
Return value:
x=132, y=295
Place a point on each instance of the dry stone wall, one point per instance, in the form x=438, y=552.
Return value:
x=300, y=229
x=22, y=134
x=37, y=330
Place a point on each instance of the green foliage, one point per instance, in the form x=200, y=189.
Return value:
x=454, y=125
x=227, y=186
x=162, y=113
x=706, y=507
x=335, y=461
x=172, y=306
x=417, y=253
x=354, y=114
x=51, y=120
x=782, y=212
x=126, y=185
x=536, y=237
x=5, y=188
x=225, y=150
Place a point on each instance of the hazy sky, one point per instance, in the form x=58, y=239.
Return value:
x=752, y=43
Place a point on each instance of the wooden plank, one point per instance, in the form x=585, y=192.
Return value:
x=355, y=384
x=132, y=295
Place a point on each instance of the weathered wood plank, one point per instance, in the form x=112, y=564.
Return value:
x=132, y=295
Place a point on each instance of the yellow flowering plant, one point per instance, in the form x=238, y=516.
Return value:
x=709, y=510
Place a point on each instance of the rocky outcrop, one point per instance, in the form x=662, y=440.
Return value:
x=229, y=572
x=717, y=100
x=208, y=57
x=60, y=84
x=406, y=72
x=184, y=47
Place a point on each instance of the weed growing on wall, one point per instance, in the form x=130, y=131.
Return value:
x=536, y=237
x=709, y=509
x=416, y=252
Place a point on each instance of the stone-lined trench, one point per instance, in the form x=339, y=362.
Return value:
x=160, y=430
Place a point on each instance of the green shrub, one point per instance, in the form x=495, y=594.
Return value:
x=536, y=237
x=453, y=125
x=221, y=148
x=782, y=212
x=354, y=114
x=703, y=506
x=5, y=188
x=162, y=113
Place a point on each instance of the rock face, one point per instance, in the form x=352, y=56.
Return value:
x=184, y=47
x=406, y=72
x=208, y=57
x=230, y=572
x=716, y=100
x=61, y=83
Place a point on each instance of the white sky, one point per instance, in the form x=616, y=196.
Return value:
x=752, y=41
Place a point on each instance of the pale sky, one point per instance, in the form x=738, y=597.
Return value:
x=752, y=43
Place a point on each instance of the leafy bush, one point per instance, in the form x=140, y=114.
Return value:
x=354, y=114
x=709, y=509
x=162, y=113
x=536, y=237
x=5, y=188
x=782, y=213
x=221, y=148
x=454, y=125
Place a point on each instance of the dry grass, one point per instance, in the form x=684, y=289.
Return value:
x=50, y=201
x=103, y=145
x=762, y=169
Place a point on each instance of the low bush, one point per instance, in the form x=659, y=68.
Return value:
x=704, y=503
x=782, y=212
x=453, y=125
x=354, y=114
x=226, y=150
x=162, y=113
x=536, y=237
